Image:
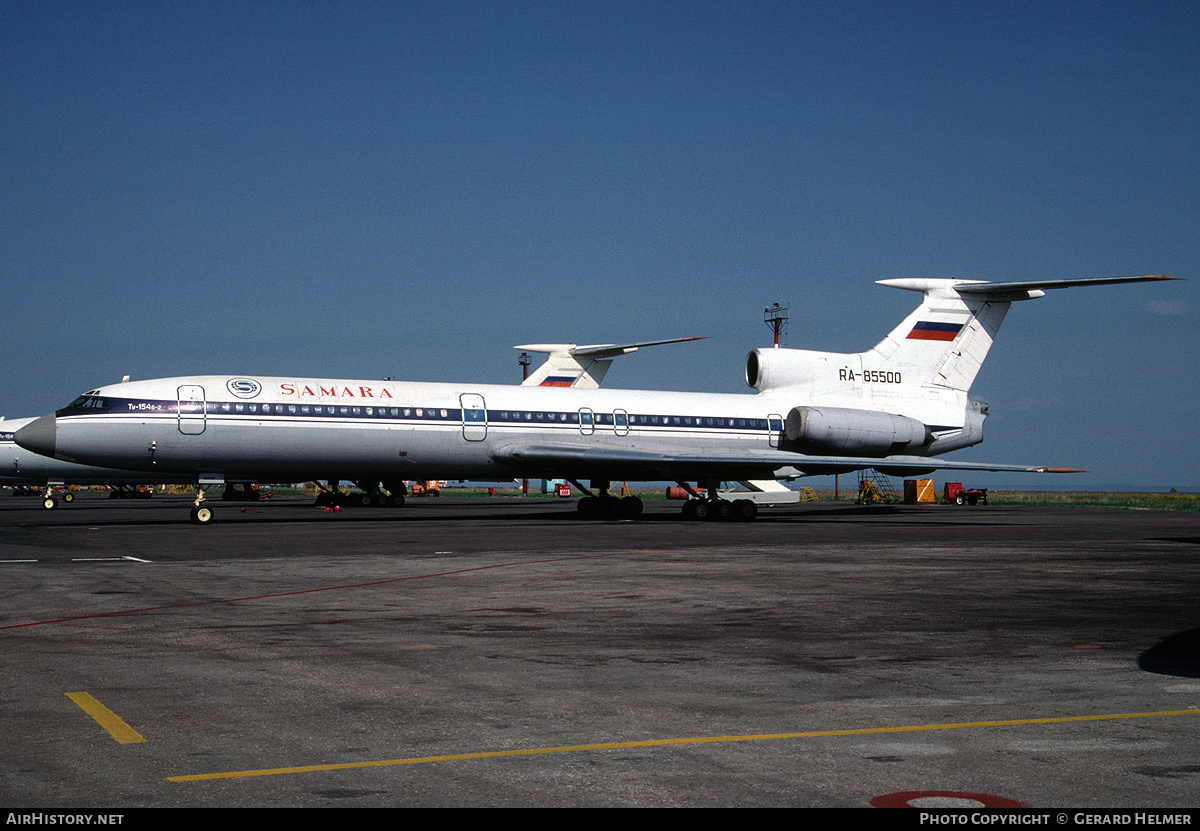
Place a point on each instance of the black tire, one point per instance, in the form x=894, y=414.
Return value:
x=203, y=515
x=744, y=510
x=631, y=507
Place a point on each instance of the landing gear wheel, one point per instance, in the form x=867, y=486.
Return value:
x=631, y=507
x=703, y=510
x=744, y=510
x=49, y=503
x=203, y=515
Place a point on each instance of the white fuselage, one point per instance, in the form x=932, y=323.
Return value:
x=278, y=429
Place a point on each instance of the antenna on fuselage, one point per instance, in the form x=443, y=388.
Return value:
x=776, y=316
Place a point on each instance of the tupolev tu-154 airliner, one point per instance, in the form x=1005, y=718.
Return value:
x=893, y=408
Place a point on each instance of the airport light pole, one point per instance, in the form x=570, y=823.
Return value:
x=775, y=316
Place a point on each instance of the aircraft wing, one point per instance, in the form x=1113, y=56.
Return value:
x=553, y=461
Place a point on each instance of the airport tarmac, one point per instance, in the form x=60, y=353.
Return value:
x=475, y=652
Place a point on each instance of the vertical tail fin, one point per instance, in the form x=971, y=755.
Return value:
x=563, y=369
x=568, y=365
x=944, y=341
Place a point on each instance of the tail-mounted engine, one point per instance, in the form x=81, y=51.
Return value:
x=837, y=430
x=775, y=368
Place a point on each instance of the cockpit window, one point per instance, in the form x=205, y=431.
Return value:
x=89, y=401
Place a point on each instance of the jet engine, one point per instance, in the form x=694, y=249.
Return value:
x=837, y=430
x=775, y=368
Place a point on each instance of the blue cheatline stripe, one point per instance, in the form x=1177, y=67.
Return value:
x=357, y=413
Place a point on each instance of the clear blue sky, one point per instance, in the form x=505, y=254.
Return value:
x=408, y=189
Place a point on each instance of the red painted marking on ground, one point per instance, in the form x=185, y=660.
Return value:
x=904, y=799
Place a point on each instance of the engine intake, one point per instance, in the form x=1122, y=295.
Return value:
x=837, y=430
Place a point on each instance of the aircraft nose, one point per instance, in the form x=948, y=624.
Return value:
x=38, y=435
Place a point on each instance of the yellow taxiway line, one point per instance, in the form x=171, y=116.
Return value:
x=106, y=718
x=498, y=754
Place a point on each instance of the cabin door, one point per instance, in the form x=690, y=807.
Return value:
x=775, y=429
x=474, y=414
x=587, y=422
x=191, y=409
x=621, y=422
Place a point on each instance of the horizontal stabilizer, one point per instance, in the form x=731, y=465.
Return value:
x=982, y=289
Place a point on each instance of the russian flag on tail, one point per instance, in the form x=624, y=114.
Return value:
x=930, y=330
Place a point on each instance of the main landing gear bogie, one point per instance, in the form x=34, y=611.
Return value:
x=721, y=510
x=358, y=499
x=609, y=507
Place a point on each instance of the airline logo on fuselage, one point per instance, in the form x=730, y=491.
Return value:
x=243, y=387
x=333, y=390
